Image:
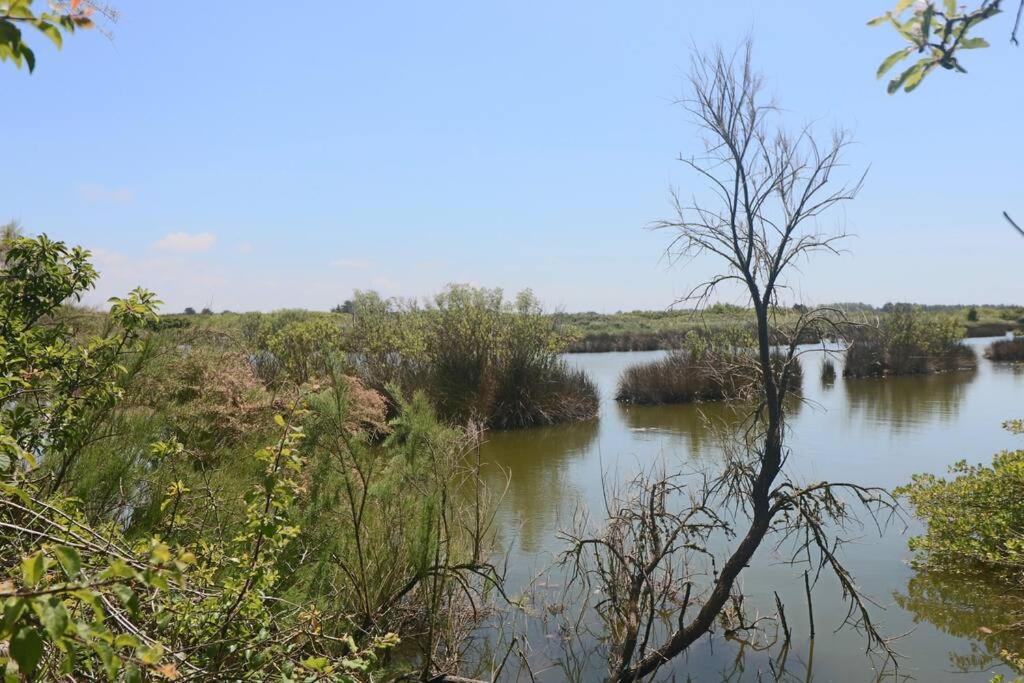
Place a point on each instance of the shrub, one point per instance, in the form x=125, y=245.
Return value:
x=718, y=367
x=476, y=356
x=304, y=349
x=1006, y=350
x=975, y=518
x=907, y=342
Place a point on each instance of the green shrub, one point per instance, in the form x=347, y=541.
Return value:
x=976, y=517
x=475, y=355
x=907, y=342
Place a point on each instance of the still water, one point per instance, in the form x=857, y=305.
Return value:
x=872, y=432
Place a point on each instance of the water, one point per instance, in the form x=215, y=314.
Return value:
x=872, y=432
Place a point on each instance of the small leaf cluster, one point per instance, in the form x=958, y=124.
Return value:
x=936, y=33
x=15, y=14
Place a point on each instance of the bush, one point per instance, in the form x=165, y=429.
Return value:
x=713, y=368
x=974, y=519
x=907, y=342
x=1006, y=350
x=476, y=356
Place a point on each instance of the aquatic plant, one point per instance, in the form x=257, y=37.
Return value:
x=1006, y=350
x=907, y=342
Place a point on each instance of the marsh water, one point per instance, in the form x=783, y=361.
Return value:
x=872, y=432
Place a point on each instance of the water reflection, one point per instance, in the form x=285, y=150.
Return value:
x=903, y=403
x=978, y=609
x=539, y=459
x=697, y=427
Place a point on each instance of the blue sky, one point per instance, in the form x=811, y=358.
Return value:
x=257, y=155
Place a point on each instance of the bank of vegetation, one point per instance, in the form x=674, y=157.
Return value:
x=475, y=355
x=255, y=501
x=667, y=330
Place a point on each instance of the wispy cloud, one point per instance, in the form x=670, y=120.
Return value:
x=186, y=241
x=245, y=247
x=101, y=194
x=351, y=264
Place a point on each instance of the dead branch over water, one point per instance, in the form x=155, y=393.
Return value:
x=652, y=556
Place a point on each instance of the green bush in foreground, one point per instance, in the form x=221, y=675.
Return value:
x=205, y=559
x=974, y=519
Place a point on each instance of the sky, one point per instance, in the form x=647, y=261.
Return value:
x=255, y=156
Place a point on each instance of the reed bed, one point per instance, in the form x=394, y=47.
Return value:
x=686, y=377
x=1006, y=350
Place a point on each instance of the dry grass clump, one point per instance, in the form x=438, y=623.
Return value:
x=687, y=376
x=1006, y=350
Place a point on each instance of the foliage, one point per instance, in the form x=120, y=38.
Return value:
x=907, y=342
x=473, y=354
x=975, y=518
x=937, y=33
x=62, y=19
x=188, y=556
x=304, y=349
x=713, y=367
x=1006, y=350
x=54, y=385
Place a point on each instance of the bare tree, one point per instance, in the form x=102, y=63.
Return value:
x=768, y=189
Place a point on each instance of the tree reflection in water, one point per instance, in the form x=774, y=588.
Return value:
x=540, y=486
x=697, y=427
x=976, y=607
x=903, y=403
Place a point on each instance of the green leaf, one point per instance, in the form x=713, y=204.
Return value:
x=950, y=8
x=901, y=6
x=973, y=43
x=914, y=79
x=26, y=649
x=32, y=568
x=54, y=618
x=127, y=597
x=51, y=32
x=30, y=57
x=891, y=60
x=69, y=560
x=13, y=609
x=877, y=21
x=111, y=662
x=132, y=674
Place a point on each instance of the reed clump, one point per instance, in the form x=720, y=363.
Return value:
x=718, y=367
x=828, y=371
x=1006, y=350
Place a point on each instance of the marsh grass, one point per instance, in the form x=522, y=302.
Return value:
x=1006, y=350
x=684, y=376
x=828, y=371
